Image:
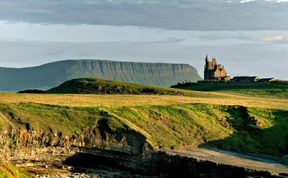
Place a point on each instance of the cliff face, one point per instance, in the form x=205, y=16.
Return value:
x=52, y=74
x=129, y=138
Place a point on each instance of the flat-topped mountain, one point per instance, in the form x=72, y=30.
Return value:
x=52, y=74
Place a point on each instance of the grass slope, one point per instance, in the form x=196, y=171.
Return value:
x=235, y=128
x=100, y=86
x=228, y=127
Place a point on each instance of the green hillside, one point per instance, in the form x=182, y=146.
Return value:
x=234, y=128
x=50, y=75
x=100, y=86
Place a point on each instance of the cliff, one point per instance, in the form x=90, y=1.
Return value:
x=52, y=74
x=128, y=138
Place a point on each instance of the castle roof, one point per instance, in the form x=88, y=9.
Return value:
x=267, y=79
x=245, y=78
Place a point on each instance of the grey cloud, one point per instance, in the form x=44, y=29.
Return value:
x=274, y=38
x=247, y=37
x=170, y=14
x=226, y=35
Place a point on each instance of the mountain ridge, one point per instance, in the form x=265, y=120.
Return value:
x=52, y=74
x=79, y=60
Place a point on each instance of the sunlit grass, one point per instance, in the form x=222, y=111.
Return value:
x=91, y=100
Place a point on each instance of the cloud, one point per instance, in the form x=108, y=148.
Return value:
x=274, y=38
x=23, y=31
x=281, y=1
x=168, y=14
x=246, y=1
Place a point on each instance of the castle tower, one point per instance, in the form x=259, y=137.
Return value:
x=206, y=68
x=214, y=71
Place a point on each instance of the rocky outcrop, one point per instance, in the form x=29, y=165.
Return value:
x=101, y=147
x=160, y=164
x=28, y=147
x=52, y=74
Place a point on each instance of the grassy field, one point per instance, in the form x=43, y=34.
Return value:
x=92, y=100
x=273, y=90
x=95, y=92
x=267, y=92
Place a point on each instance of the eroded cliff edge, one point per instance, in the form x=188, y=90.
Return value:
x=131, y=138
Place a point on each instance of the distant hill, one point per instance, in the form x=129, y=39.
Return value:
x=100, y=86
x=52, y=74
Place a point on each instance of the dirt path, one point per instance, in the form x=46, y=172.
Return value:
x=255, y=162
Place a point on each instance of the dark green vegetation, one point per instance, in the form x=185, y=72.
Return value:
x=52, y=74
x=277, y=89
x=100, y=86
x=10, y=171
x=234, y=128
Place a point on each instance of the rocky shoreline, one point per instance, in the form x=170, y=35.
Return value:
x=108, y=154
x=95, y=162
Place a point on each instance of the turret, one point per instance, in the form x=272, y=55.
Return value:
x=214, y=63
x=206, y=66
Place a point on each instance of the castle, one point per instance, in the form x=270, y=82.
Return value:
x=214, y=71
x=216, y=75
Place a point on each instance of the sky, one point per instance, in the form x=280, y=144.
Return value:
x=250, y=37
